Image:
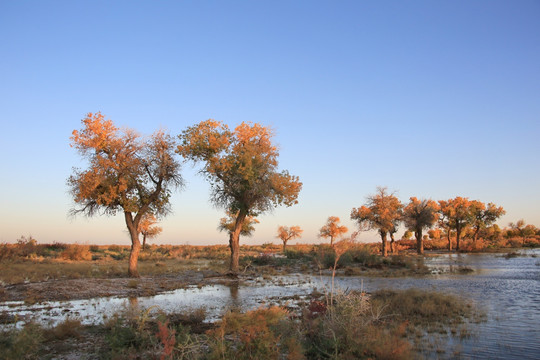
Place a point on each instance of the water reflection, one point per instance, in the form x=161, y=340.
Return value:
x=234, y=303
x=133, y=303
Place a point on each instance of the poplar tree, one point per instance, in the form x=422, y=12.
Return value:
x=242, y=168
x=125, y=174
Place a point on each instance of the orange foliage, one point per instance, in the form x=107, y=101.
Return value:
x=167, y=338
x=241, y=166
x=125, y=174
x=382, y=212
x=256, y=334
x=332, y=229
x=483, y=216
x=456, y=214
x=286, y=233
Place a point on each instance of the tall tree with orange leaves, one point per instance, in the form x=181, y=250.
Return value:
x=419, y=215
x=332, y=229
x=125, y=174
x=483, y=216
x=456, y=215
x=381, y=212
x=242, y=168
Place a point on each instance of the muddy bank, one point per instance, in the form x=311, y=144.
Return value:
x=88, y=288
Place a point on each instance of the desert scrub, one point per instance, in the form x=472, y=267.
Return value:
x=128, y=334
x=388, y=324
x=21, y=343
x=76, y=252
x=352, y=328
x=422, y=307
x=432, y=318
x=294, y=254
x=28, y=342
x=259, y=334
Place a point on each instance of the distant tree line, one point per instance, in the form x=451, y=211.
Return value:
x=453, y=219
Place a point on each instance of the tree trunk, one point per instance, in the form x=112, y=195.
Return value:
x=284, y=245
x=458, y=233
x=383, y=238
x=133, y=259
x=476, y=235
x=144, y=241
x=234, y=243
x=419, y=242
x=135, y=244
x=449, y=240
x=392, y=245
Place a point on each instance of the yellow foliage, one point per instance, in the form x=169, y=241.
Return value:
x=332, y=229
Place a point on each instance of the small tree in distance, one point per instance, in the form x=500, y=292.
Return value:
x=381, y=212
x=523, y=230
x=286, y=233
x=148, y=229
x=227, y=224
x=332, y=229
x=456, y=215
x=484, y=216
x=419, y=215
x=407, y=235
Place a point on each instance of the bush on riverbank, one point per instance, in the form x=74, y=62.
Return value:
x=355, y=325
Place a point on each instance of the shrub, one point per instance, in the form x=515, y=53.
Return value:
x=295, y=254
x=364, y=256
x=422, y=306
x=21, y=343
x=76, y=252
x=259, y=334
x=56, y=246
x=115, y=248
x=127, y=336
x=350, y=329
x=26, y=246
x=66, y=329
x=7, y=251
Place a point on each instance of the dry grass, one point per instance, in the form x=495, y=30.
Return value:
x=69, y=328
x=422, y=306
x=15, y=272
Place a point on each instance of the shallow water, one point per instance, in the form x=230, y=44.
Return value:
x=508, y=290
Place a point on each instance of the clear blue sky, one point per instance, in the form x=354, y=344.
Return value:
x=433, y=99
